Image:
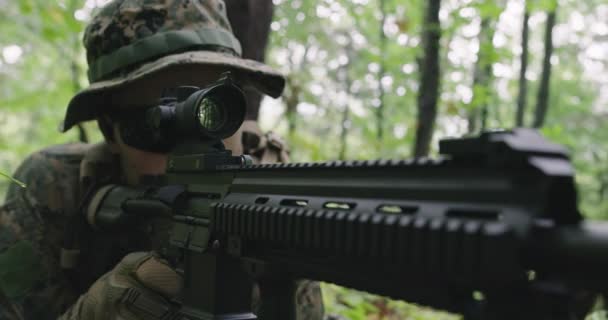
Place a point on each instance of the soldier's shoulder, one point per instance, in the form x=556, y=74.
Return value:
x=51, y=179
x=55, y=157
x=49, y=174
x=32, y=224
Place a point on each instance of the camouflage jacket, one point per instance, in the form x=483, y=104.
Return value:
x=35, y=222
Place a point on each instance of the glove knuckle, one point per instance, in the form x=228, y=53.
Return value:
x=142, y=305
x=159, y=277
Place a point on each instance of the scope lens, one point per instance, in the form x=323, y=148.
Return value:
x=210, y=114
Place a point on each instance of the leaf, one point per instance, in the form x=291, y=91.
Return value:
x=17, y=182
x=26, y=6
x=489, y=9
x=544, y=5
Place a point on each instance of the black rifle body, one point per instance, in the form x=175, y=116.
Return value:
x=496, y=215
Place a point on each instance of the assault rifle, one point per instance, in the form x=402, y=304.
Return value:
x=496, y=215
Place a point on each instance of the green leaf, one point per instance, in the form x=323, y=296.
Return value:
x=26, y=6
x=490, y=9
x=19, y=183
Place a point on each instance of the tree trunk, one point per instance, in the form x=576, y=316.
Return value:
x=75, y=73
x=482, y=75
x=292, y=99
x=344, y=133
x=76, y=70
x=523, y=84
x=347, y=82
x=487, y=83
x=603, y=189
x=250, y=21
x=542, y=102
x=380, y=110
x=429, y=79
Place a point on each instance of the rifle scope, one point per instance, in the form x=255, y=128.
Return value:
x=188, y=113
x=215, y=112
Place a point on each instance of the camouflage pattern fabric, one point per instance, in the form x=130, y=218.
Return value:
x=121, y=24
x=267, y=147
x=33, y=224
x=33, y=220
x=309, y=300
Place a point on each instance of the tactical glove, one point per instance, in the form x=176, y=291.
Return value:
x=140, y=287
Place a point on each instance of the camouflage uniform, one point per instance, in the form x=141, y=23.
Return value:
x=34, y=220
x=129, y=41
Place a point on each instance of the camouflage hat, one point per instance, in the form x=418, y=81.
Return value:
x=132, y=40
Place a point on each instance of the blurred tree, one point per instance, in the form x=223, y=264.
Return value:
x=41, y=67
x=482, y=72
x=292, y=98
x=523, y=83
x=381, y=74
x=542, y=101
x=76, y=69
x=250, y=21
x=345, y=78
x=429, y=79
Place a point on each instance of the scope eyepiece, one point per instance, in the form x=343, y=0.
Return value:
x=215, y=112
x=210, y=114
x=188, y=113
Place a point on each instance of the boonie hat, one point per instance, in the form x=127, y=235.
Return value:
x=131, y=40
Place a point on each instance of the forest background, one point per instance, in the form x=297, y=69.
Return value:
x=366, y=79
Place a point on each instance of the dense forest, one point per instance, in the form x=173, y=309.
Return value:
x=365, y=79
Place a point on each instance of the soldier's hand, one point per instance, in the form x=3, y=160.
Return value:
x=140, y=287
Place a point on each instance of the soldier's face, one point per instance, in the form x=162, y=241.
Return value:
x=136, y=163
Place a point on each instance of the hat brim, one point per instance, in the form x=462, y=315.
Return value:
x=183, y=69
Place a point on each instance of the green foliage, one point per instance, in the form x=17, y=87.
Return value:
x=490, y=9
x=598, y=315
x=544, y=5
x=39, y=77
x=574, y=118
x=357, y=305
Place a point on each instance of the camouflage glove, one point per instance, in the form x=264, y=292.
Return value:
x=138, y=288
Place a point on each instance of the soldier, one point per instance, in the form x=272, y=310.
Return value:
x=135, y=49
